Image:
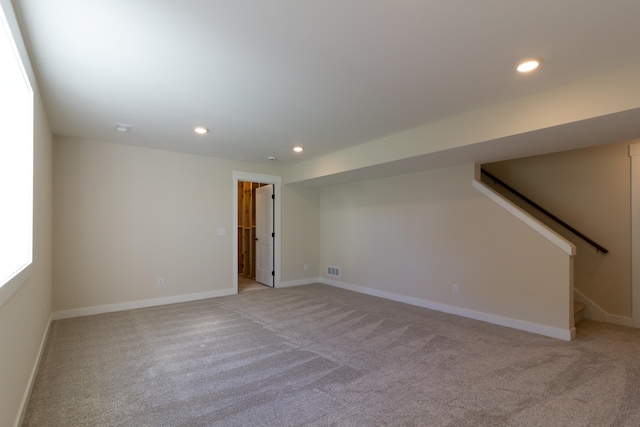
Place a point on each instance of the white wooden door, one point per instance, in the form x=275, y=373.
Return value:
x=264, y=235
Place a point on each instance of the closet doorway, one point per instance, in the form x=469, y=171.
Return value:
x=257, y=244
x=256, y=235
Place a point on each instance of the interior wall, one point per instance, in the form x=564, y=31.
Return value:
x=125, y=216
x=590, y=190
x=300, y=234
x=25, y=315
x=416, y=235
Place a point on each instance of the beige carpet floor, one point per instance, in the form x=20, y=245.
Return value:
x=321, y=356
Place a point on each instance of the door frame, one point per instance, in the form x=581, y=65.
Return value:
x=277, y=229
x=634, y=153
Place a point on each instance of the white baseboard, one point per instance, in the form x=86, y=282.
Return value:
x=110, y=308
x=32, y=378
x=298, y=282
x=593, y=311
x=522, y=325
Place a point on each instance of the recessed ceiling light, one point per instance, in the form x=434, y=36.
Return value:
x=200, y=130
x=123, y=127
x=298, y=149
x=529, y=65
x=272, y=158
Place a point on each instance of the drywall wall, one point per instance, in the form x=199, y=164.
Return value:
x=125, y=216
x=300, y=245
x=24, y=316
x=590, y=190
x=416, y=235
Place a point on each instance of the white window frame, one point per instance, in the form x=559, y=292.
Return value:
x=10, y=28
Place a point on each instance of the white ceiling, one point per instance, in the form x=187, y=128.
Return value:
x=267, y=75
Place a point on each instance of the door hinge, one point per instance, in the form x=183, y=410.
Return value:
x=273, y=196
x=273, y=273
x=273, y=235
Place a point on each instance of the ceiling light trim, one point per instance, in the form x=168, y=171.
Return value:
x=529, y=65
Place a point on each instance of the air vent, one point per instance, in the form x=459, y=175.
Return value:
x=333, y=271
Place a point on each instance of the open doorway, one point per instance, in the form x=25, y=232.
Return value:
x=247, y=267
x=255, y=236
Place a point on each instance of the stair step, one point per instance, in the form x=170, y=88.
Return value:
x=578, y=312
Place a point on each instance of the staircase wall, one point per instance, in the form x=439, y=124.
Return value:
x=590, y=190
x=434, y=240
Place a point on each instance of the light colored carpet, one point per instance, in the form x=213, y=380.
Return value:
x=320, y=356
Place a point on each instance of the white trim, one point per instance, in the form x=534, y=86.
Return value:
x=9, y=26
x=634, y=149
x=523, y=216
x=22, y=411
x=620, y=320
x=522, y=325
x=299, y=282
x=14, y=283
x=593, y=311
x=16, y=32
x=110, y=308
x=634, y=153
x=277, y=184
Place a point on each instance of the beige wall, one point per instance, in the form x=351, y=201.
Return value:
x=417, y=234
x=590, y=190
x=300, y=245
x=124, y=216
x=24, y=316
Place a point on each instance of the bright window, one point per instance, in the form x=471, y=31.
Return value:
x=16, y=166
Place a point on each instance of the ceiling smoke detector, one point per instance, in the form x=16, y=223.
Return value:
x=123, y=127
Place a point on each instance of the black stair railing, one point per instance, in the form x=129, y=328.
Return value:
x=506, y=186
